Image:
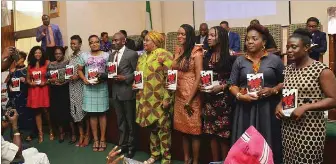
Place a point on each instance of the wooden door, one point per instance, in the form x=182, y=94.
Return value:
x=7, y=34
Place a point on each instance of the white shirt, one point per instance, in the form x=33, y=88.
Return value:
x=119, y=54
x=202, y=38
x=8, y=151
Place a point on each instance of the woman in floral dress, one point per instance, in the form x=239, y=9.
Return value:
x=217, y=103
x=95, y=99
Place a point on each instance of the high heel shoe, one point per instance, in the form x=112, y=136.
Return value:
x=51, y=136
x=73, y=139
x=95, y=146
x=86, y=141
x=102, y=146
x=80, y=141
x=61, y=138
x=40, y=138
x=151, y=160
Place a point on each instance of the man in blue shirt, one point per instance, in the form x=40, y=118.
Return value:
x=105, y=44
x=50, y=35
x=234, y=38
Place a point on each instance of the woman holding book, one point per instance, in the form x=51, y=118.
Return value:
x=95, y=96
x=217, y=100
x=188, y=60
x=256, y=80
x=153, y=102
x=59, y=94
x=303, y=130
x=38, y=90
x=76, y=93
x=18, y=98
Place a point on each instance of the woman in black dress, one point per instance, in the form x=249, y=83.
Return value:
x=59, y=94
x=257, y=109
x=217, y=103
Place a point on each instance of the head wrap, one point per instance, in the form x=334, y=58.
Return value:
x=157, y=38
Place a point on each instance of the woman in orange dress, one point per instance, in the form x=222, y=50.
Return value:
x=38, y=91
x=188, y=61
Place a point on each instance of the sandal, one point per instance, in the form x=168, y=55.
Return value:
x=95, y=145
x=102, y=146
x=151, y=160
x=40, y=138
x=86, y=141
x=73, y=139
x=61, y=138
x=80, y=141
x=190, y=161
x=51, y=136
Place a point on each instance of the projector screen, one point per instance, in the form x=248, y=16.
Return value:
x=240, y=13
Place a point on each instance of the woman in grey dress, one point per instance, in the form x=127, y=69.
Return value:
x=257, y=110
x=76, y=94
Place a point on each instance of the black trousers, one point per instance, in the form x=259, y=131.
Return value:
x=50, y=51
x=125, y=111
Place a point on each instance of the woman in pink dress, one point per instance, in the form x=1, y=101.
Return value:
x=38, y=91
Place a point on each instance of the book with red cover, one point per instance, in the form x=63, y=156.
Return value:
x=207, y=79
x=172, y=79
x=69, y=71
x=37, y=75
x=93, y=75
x=255, y=83
x=138, y=79
x=54, y=74
x=289, y=101
x=112, y=69
x=15, y=86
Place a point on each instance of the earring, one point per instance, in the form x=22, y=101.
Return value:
x=264, y=47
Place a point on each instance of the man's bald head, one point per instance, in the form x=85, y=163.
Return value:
x=203, y=29
x=119, y=34
x=118, y=40
x=46, y=20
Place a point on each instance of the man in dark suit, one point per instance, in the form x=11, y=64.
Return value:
x=203, y=37
x=130, y=44
x=319, y=40
x=234, y=38
x=123, y=97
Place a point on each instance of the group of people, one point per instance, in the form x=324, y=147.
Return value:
x=222, y=112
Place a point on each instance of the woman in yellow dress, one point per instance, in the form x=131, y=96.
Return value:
x=153, y=102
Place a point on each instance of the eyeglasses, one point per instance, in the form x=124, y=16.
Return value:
x=96, y=42
x=312, y=26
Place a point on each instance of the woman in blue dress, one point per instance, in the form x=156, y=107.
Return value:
x=18, y=99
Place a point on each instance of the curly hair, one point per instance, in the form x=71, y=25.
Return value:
x=260, y=29
x=31, y=57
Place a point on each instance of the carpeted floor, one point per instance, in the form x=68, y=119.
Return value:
x=63, y=153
